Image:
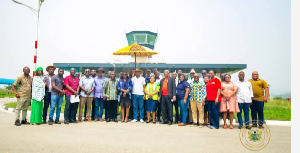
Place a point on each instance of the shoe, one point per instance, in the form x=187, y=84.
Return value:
x=44, y=122
x=212, y=127
x=240, y=126
x=141, y=120
x=225, y=126
x=208, y=126
x=134, y=121
x=24, y=122
x=95, y=120
x=66, y=122
x=88, y=120
x=260, y=126
x=159, y=120
x=71, y=121
x=57, y=121
x=108, y=120
x=181, y=124
x=248, y=127
x=193, y=124
x=231, y=127
x=164, y=122
x=154, y=122
x=100, y=120
x=79, y=121
x=115, y=120
x=169, y=123
x=75, y=121
x=254, y=125
x=17, y=123
x=50, y=122
x=201, y=125
x=84, y=119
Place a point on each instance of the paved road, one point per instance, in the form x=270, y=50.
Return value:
x=127, y=137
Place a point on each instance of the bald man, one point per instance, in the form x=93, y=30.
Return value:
x=23, y=95
x=261, y=93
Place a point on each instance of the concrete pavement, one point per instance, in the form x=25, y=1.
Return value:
x=128, y=137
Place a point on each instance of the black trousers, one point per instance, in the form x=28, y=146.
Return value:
x=167, y=109
x=93, y=110
x=130, y=116
x=111, y=106
x=105, y=108
x=177, y=116
x=158, y=111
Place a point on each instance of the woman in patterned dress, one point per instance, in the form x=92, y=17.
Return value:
x=38, y=93
x=228, y=101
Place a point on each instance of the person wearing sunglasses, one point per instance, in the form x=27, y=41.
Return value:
x=228, y=101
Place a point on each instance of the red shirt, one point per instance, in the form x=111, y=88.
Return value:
x=165, y=87
x=72, y=83
x=212, y=87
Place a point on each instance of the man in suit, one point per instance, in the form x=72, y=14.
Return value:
x=167, y=95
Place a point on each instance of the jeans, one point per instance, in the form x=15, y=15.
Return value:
x=257, y=107
x=67, y=111
x=166, y=109
x=98, y=104
x=138, y=103
x=183, y=110
x=243, y=107
x=47, y=102
x=214, y=112
x=56, y=101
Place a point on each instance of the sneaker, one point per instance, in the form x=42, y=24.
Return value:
x=17, y=123
x=212, y=127
x=248, y=127
x=24, y=122
x=208, y=126
x=57, y=121
x=66, y=122
x=193, y=124
x=201, y=125
x=134, y=121
x=240, y=126
x=141, y=120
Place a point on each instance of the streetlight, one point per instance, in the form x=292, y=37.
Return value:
x=37, y=13
x=113, y=65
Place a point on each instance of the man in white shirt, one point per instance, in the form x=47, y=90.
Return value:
x=138, y=83
x=244, y=95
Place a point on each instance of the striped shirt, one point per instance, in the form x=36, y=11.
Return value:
x=110, y=89
x=198, y=91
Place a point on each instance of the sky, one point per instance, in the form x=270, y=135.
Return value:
x=252, y=32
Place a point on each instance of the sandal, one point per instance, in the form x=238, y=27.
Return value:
x=231, y=127
x=225, y=126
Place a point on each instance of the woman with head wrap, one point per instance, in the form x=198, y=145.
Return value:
x=38, y=93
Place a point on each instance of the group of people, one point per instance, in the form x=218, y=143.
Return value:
x=143, y=97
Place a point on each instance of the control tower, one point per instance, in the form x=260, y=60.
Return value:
x=146, y=39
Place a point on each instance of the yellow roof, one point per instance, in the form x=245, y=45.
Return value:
x=135, y=49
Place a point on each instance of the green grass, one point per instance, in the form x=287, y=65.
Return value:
x=4, y=94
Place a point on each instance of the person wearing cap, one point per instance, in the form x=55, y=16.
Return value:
x=57, y=94
x=167, y=95
x=47, y=99
x=197, y=100
x=71, y=84
x=23, y=95
x=98, y=93
x=38, y=93
x=138, y=83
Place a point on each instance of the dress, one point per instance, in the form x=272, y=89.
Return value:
x=38, y=92
x=230, y=104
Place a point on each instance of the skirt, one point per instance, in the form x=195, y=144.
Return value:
x=230, y=105
x=125, y=101
x=36, y=112
x=151, y=105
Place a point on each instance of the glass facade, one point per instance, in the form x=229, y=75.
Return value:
x=144, y=38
